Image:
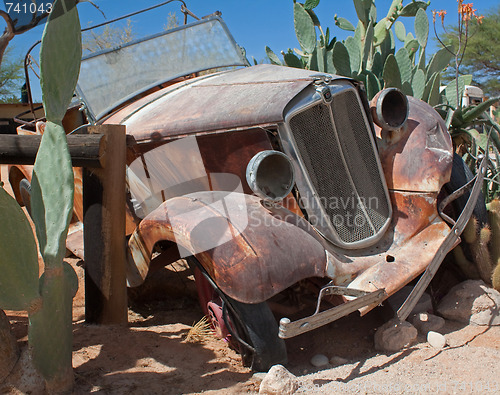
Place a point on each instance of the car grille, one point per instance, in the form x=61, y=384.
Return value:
x=342, y=167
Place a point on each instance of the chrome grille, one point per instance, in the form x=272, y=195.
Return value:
x=339, y=158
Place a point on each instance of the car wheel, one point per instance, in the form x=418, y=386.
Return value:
x=250, y=328
x=25, y=192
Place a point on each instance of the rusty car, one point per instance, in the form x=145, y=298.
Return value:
x=270, y=181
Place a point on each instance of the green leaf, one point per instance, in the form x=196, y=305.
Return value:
x=344, y=24
x=400, y=30
x=377, y=64
x=434, y=93
x=381, y=31
x=18, y=257
x=330, y=67
x=412, y=47
x=367, y=46
x=304, y=28
x=418, y=84
x=404, y=64
x=391, y=74
x=421, y=60
x=421, y=27
x=341, y=61
x=412, y=8
x=354, y=50
x=475, y=111
x=406, y=88
x=52, y=194
x=273, y=57
x=314, y=17
x=320, y=56
x=60, y=57
x=372, y=85
x=438, y=62
x=362, y=10
x=451, y=90
x=293, y=61
x=310, y=4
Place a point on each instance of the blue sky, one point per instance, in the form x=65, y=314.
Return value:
x=253, y=23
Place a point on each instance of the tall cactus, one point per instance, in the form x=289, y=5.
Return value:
x=48, y=300
x=369, y=55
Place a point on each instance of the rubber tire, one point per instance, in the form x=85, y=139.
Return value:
x=25, y=192
x=260, y=330
x=460, y=175
x=256, y=325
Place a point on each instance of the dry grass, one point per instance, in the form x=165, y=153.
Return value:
x=199, y=332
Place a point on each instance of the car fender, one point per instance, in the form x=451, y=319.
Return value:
x=418, y=157
x=252, y=251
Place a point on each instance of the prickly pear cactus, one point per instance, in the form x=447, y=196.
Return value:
x=50, y=332
x=18, y=264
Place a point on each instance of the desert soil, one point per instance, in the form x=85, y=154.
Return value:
x=151, y=355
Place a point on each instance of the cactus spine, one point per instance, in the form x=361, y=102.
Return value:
x=48, y=300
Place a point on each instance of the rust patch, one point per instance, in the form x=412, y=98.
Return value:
x=419, y=156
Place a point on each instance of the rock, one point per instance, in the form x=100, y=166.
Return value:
x=471, y=302
x=425, y=322
x=395, y=335
x=423, y=305
x=319, y=360
x=279, y=381
x=338, y=361
x=436, y=340
x=9, y=352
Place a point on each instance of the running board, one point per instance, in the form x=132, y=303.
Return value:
x=361, y=298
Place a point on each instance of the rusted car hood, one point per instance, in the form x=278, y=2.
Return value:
x=225, y=101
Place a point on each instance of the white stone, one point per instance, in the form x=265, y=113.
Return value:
x=319, y=360
x=425, y=322
x=395, y=335
x=436, y=340
x=279, y=381
x=337, y=361
x=472, y=302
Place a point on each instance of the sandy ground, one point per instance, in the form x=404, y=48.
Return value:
x=150, y=355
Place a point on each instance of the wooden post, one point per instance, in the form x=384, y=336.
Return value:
x=104, y=230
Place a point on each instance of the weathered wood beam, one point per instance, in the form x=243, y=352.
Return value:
x=104, y=193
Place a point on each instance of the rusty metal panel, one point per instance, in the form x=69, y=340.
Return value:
x=418, y=157
x=416, y=234
x=247, y=97
x=275, y=250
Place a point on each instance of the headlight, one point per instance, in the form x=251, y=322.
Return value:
x=270, y=175
x=390, y=109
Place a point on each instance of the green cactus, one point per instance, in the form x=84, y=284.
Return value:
x=48, y=300
x=18, y=266
x=364, y=55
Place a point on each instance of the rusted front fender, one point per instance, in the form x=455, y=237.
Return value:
x=251, y=251
x=419, y=156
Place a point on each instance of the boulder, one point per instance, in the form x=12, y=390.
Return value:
x=279, y=381
x=471, y=302
x=425, y=322
x=395, y=335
